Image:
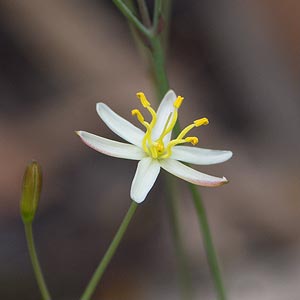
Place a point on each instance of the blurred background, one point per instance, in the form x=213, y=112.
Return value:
x=235, y=62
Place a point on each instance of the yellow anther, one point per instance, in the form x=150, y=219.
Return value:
x=178, y=102
x=192, y=139
x=200, y=122
x=143, y=99
x=138, y=114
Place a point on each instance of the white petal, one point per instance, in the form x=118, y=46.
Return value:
x=111, y=148
x=186, y=173
x=144, y=178
x=199, y=156
x=164, y=110
x=119, y=125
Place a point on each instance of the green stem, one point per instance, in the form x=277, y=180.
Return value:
x=109, y=253
x=185, y=278
x=144, y=12
x=162, y=86
x=159, y=68
x=35, y=262
x=156, y=14
x=208, y=243
x=131, y=17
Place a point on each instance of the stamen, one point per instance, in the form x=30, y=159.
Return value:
x=147, y=105
x=178, y=102
x=192, y=139
x=186, y=130
x=171, y=144
x=143, y=99
x=156, y=149
x=153, y=114
x=200, y=122
x=196, y=123
x=138, y=114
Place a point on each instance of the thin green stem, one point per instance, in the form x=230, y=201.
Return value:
x=159, y=68
x=172, y=202
x=208, y=243
x=163, y=85
x=109, y=253
x=35, y=262
x=131, y=17
x=144, y=13
x=157, y=54
x=156, y=15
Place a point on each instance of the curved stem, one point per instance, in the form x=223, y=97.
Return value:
x=109, y=253
x=35, y=262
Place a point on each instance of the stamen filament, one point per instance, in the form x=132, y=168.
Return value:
x=153, y=114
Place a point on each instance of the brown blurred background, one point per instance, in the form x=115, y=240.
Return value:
x=236, y=62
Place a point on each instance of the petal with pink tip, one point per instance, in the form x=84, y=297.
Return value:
x=186, y=173
x=111, y=148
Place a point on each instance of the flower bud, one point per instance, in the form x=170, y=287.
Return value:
x=31, y=190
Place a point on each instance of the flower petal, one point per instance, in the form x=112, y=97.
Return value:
x=111, y=148
x=199, y=156
x=186, y=173
x=164, y=110
x=119, y=125
x=144, y=178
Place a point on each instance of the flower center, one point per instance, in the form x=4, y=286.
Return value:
x=161, y=147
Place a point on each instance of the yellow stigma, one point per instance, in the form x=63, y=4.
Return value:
x=143, y=99
x=200, y=122
x=178, y=102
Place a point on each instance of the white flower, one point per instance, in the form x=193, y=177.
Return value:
x=154, y=148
